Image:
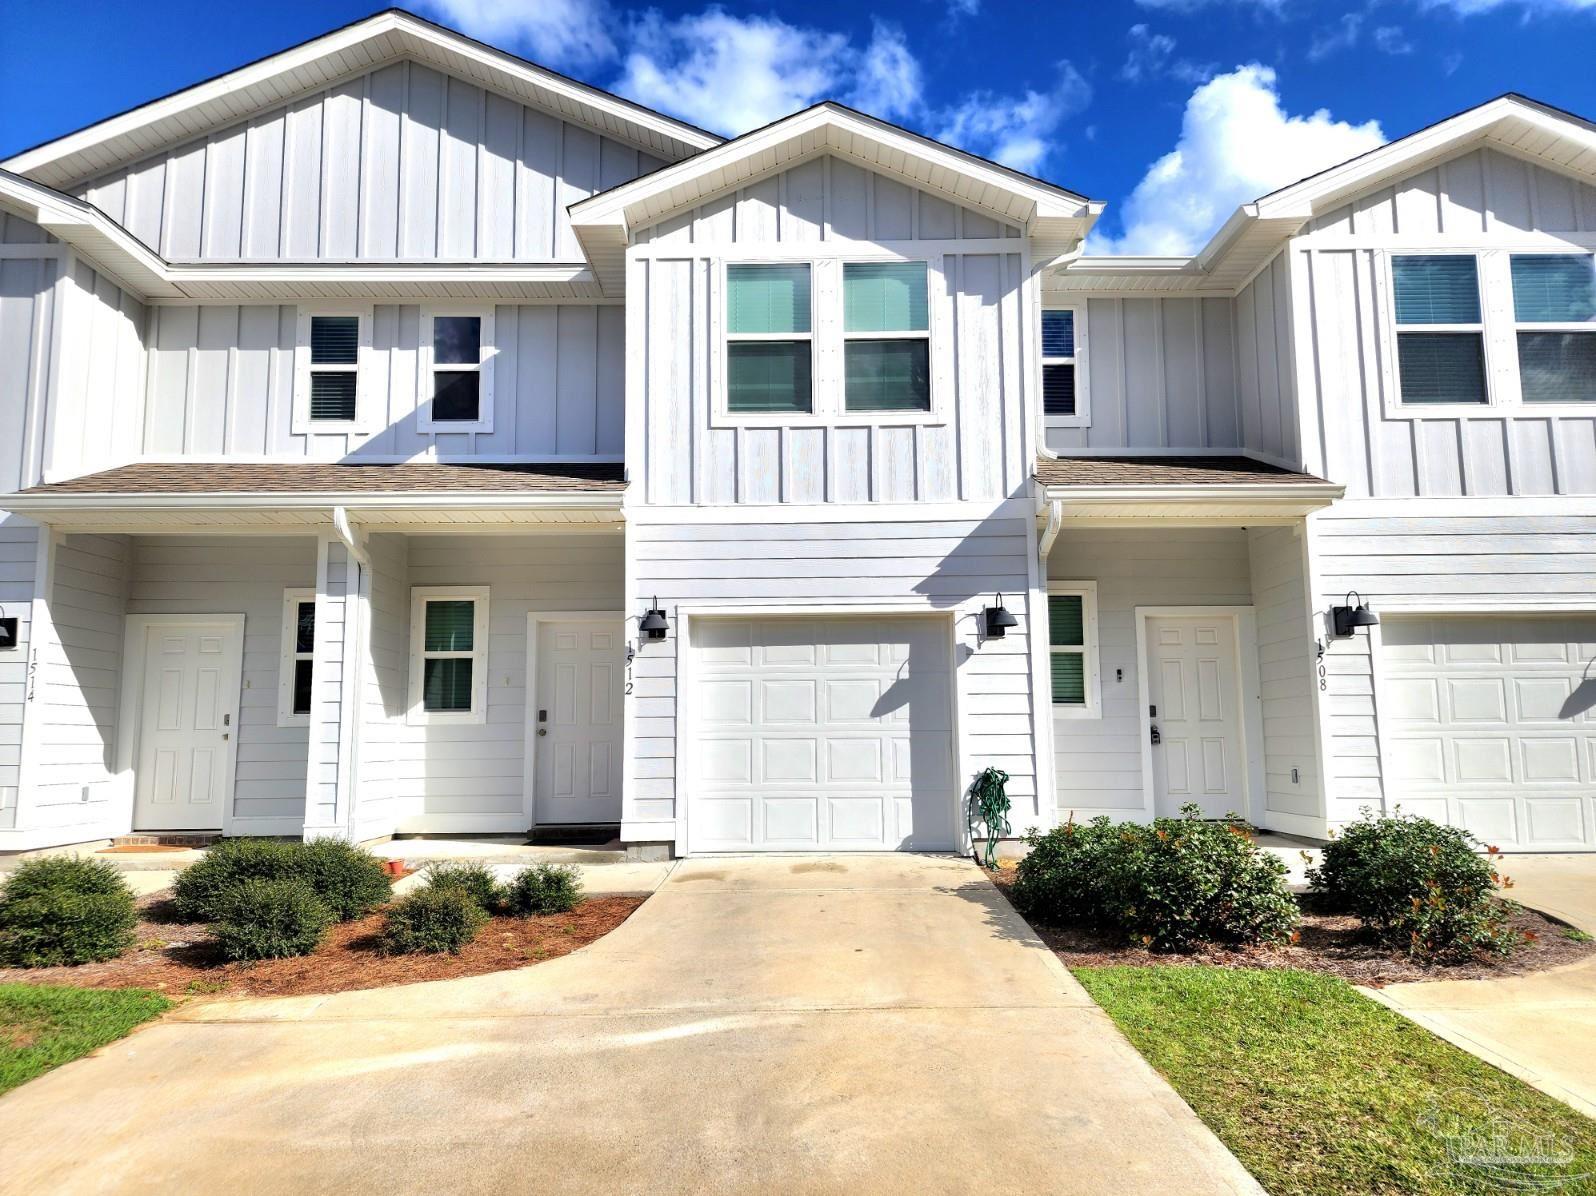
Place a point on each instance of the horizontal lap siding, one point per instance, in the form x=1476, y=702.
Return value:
x=458, y=775
x=19, y=546
x=1477, y=560
x=222, y=382
x=386, y=680
x=941, y=566
x=1098, y=761
x=202, y=575
x=1482, y=198
x=400, y=163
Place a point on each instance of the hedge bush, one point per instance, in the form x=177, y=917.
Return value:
x=65, y=910
x=476, y=881
x=272, y=919
x=349, y=882
x=432, y=920
x=1418, y=885
x=544, y=889
x=1169, y=886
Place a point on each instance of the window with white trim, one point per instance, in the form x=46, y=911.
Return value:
x=295, y=673
x=330, y=347
x=1554, y=312
x=1072, y=648
x=448, y=654
x=1440, y=329
x=457, y=373
x=1060, y=379
x=886, y=334
x=769, y=339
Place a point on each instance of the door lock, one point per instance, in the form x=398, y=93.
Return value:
x=1157, y=738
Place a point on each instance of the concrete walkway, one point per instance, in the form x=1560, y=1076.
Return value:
x=870, y=1024
x=1540, y=1027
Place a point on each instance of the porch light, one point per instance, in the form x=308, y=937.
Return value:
x=8, y=631
x=1345, y=620
x=999, y=620
x=654, y=625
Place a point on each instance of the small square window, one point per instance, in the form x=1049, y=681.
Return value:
x=334, y=366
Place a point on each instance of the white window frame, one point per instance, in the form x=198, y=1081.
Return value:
x=827, y=378
x=302, y=424
x=933, y=276
x=1483, y=283
x=419, y=715
x=1083, y=411
x=289, y=657
x=1589, y=329
x=1087, y=592
x=488, y=350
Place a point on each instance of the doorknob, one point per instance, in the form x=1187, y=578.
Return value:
x=542, y=731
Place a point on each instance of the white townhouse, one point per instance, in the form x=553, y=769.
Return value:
x=399, y=437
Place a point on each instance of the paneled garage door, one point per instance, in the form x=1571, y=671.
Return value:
x=821, y=735
x=1489, y=725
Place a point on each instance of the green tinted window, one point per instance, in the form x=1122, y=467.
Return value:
x=771, y=300
x=885, y=297
x=451, y=626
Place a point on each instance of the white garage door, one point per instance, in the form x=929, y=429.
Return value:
x=821, y=735
x=1489, y=725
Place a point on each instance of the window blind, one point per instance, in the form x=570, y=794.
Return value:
x=888, y=375
x=1557, y=367
x=446, y=683
x=1066, y=620
x=334, y=340
x=885, y=297
x=1436, y=289
x=332, y=396
x=1058, y=334
x=1069, y=678
x=767, y=299
x=768, y=376
x=1554, y=288
x=1058, y=389
x=1441, y=367
x=451, y=626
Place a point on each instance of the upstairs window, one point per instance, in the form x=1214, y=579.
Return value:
x=768, y=340
x=1440, y=335
x=458, y=389
x=1554, y=309
x=1072, y=647
x=1058, y=362
x=334, y=368
x=296, y=671
x=448, y=670
x=886, y=337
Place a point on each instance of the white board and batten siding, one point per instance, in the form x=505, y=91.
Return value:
x=980, y=337
x=221, y=382
x=1481, y=200
x=399, y=163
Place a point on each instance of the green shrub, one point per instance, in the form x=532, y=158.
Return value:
x=1169, y=886
x=432, y=920
x=544, y=889
x=272, y=919
x=1418, y=885
x=476, y=881
x=65, y=910
x=349, y=881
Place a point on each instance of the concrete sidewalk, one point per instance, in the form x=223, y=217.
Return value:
x=875, y=1024
x=1540, y=1027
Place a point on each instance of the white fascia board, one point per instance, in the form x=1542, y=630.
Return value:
x=1292, y=498
x=84, y=226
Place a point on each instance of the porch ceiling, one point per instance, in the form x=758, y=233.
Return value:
x=1222, y=489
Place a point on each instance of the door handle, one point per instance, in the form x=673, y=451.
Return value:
x=542, y=731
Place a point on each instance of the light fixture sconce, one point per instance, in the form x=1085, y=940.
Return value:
x=1345, y=620
x=999, y=620
x=654, y=624
x=8, y=631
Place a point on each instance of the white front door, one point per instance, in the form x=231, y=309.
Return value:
x=577, y=722
x=1192, y=689
x=187, y=723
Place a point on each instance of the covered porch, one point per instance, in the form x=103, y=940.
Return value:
x=358, y=651
x=1182, y=654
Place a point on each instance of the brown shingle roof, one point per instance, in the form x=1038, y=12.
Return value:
x=1166, y=471
x=410, y=478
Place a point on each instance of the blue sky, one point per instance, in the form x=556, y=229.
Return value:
x=1173, y=111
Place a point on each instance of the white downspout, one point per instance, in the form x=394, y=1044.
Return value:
x=1055, y=524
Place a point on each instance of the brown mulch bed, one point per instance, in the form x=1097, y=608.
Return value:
x=180, y=959
x=1328, y=942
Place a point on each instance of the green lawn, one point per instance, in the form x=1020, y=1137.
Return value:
x=1318, y=1089
x=43, y=1027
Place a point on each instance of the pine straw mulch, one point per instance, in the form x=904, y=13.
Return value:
x=180, y=958
x=1335, y=944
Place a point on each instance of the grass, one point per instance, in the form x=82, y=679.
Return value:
x=1319, y=1090
x=43, y=1027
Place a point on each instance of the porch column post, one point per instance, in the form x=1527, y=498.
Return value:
x=332, y=776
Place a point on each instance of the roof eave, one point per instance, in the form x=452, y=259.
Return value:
x=41, y=504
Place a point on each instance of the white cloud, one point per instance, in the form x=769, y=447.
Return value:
x=1343, y=35
x=1236, y=143
x=1018, y=131
x=732, y=74
x=1389, y=39
x=1271, y=6
x=1469, y=8
x=963, y=8
x=555, y=32
x=1152, y=56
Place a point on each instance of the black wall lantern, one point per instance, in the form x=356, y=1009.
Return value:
x=8, y=631
x=1345, y=620
x=654, y=625
x=999, y=620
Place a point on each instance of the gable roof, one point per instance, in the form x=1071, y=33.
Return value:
x=317, y=63
x=1512, y=123
x=1056, y=218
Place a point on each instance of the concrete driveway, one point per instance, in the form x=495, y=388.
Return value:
x=876, y=1024
x=1540, y=1027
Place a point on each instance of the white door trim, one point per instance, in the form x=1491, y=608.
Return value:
x=529, y=754
x=685, y=677
x=1245, y=620
x=130, y=716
